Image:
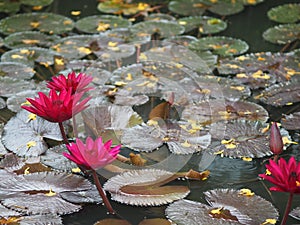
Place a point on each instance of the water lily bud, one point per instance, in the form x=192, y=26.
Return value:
x=276, y=143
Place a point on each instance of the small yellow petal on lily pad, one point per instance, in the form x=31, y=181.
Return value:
x=219, y=152
x=31, y=116
x=50, y=193
x=216, y=211
x=247, y=159
x=31, y=144
x=286, y=140
x=76, y=13
x=76, y=170
x=186, y=144
x=246, y=192
x=268, y=172
x=269, y=221
x=26, y=171
x=143, y=56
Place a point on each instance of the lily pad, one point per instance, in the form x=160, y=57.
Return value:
x=287, y=13
x=220, y=110
x=16, y=70
x=11, y=86
x=204, y=25
x=45, y=22
x=180, y=139
x=55, y=159
x=41, y=220
x=148, y=190
x=295, y=213
x=223, y=46
x=101, y=23
x=2, y=103
x=280, y=94
x=162, y=28
x=29, y=39
x=187, y=7
x=29, y=56
x=225, y=7
x=160, y=16
x=282, y=34
x=239, y=139
x=33, y=143
x=291, y=121
x=281, y=65
x=79, y=197
x=226, y=207
x=120, y=7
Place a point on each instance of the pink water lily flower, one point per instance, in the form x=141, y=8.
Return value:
x=285, y=175
x=92, y=154
x=78, y=83
x=57, y=107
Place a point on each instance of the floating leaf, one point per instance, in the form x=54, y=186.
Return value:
x=282, y=34
x=41, y=220
x=147, y=190
x=45, y=22
x=238, y=139
x=227, y=207
x=223, y=46
x=25, y=137
x=280, y=94
x=218, y=110
x=287, y=13
x=160, y=16
x=16, y=70
x=11, y=86
x=225, y=7
x=146, y=138
x=295, y=213
x=121, y=7
x=162, y=28
x=178, y=55
x=29, y=39
x=281, y=65
x=3, y=151
x=6, y=212
x=101, y=23
x=291, y=121
x=29, y=56
x=204, y=25
x=187, y=7
x=55, y=159
x=78, y=197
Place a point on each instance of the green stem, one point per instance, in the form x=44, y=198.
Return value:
x=102, y=193
x=287, y=209
x=63, y=133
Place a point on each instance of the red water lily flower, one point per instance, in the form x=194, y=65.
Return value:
x=57, y=107
x=77, y=83
x=93, y=154
x=285, y=175
x=276, y=143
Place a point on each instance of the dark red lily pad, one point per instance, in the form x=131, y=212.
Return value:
x=281, y=65
x=218, y=110
x=281, y=94
x=226, y=207
x=291, y=121
x=148, y=190
x=25, y=136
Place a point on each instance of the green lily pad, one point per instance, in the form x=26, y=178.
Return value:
x=101, y=23
x=120, y=7
x=8, y=6
x=205, y=24
x=287, y=13
x=282, y=34
x=223, y=46
x=29, y=56
x=163, y=28
x=224, y=7
x=252, y=2
x=45, y=22
x=29, y=39
x=187, y=7
x=128, y=36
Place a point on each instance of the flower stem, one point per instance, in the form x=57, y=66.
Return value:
x=102, y=193
x=63, y=133
x=287, y=209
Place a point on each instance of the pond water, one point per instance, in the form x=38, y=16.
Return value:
x=225, y=172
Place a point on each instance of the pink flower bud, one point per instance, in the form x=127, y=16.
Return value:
x=276, y=143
